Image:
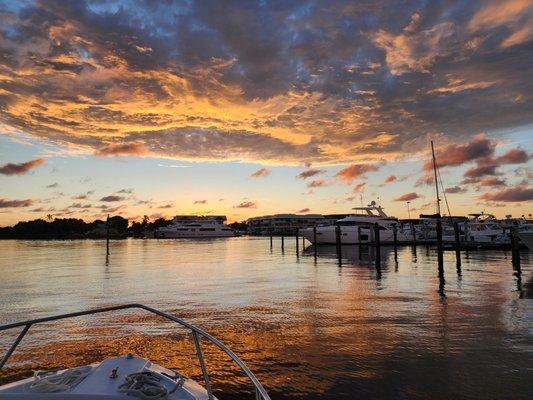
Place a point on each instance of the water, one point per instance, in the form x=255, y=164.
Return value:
x=308, y=329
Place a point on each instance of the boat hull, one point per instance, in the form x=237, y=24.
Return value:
x=350, y=235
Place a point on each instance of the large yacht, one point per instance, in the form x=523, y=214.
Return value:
x=193, y=227
x=364, y=218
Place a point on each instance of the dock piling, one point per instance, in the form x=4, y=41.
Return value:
x=314, y=241
x=377, y=244
x=107, y=236
x=282, y=243
x=457, y=245
x=515, y=244
x=395, y=238
x=270, y=230
x=338, y=242
x=297, y=242
x=439, y=246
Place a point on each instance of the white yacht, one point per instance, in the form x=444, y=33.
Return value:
x=365, y=218
x=484, y=229
x=192, y=227
x=119, y=378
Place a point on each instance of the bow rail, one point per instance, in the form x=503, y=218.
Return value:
x=197, y=333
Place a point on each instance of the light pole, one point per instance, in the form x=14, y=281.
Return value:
x=408, y=211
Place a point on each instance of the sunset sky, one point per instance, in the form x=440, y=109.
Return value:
x=248, y=108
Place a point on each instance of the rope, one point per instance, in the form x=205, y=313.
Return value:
x=145, y=386
x=59, y=382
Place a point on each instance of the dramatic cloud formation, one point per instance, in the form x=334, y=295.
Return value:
x=5, y=203
x=408, y=197
x=355, y=171
x=261, y=173
x=513, y=194
x=22, y=168
x=247, y=204
x=112, y=198
x=279, y=82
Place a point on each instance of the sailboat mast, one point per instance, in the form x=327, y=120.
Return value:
x=436, y=181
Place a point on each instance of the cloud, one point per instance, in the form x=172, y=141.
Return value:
x=458, y=154
x=492, y=181
x=83, y=196
x=479, y=171
x=455, y=189
x=408, y=197
x=359, y=187
x=112, y=198
x=200, y=202
x=390, y=178
x=261, y=173
x=513, y=156
x=355, y=171
x=79, y=205
x=246, y=204
x=5, y=203
x=52, y=185
x=318, y=183
x=123, y=149
x=303, y=211
x=22, y=168
x=170, y=205
x=310, y=172
x=125, y=191
x=290, y=83
x=519, y=193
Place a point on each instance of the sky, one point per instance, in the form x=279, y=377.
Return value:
x=248, y=108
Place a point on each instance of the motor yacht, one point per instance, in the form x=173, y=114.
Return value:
x=484, y=229
x=362, y=221
x=120, y=378
x=192, y=227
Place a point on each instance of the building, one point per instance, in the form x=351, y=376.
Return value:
x=279, y=224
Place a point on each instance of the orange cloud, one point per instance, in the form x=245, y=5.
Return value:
x=123, y=149
x=354, y=171
x=408, y=197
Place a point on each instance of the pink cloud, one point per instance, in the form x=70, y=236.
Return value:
x=317, y=183
x=408, y=197
x=123, y=149
x=517, y=193
x=354, y=171
x=457, y=154
x=359, y=187
x=261, y=173
x=5, y=203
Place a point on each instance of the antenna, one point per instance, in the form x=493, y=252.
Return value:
x=436, y=181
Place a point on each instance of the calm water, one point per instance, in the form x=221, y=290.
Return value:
x=308, y=329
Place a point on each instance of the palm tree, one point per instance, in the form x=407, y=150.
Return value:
x=49, y=217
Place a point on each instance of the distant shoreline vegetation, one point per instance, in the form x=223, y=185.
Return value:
x=73, y=228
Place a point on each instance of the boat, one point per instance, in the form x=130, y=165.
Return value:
x=527, y=238
x=484, y=229
x=193, y=227
x=358, y=228
x=118, y=378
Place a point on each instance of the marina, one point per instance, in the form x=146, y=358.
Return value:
x=303, y=326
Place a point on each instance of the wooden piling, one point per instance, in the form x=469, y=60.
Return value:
x=270, y=230
x=297, y=242
x=515, y=244
x=457, y=244
x=377, y=244
x=107, y=235
x=338, y=242
x=282, y=243
x=440, y=248
x=395, y=239
x=314, y=241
